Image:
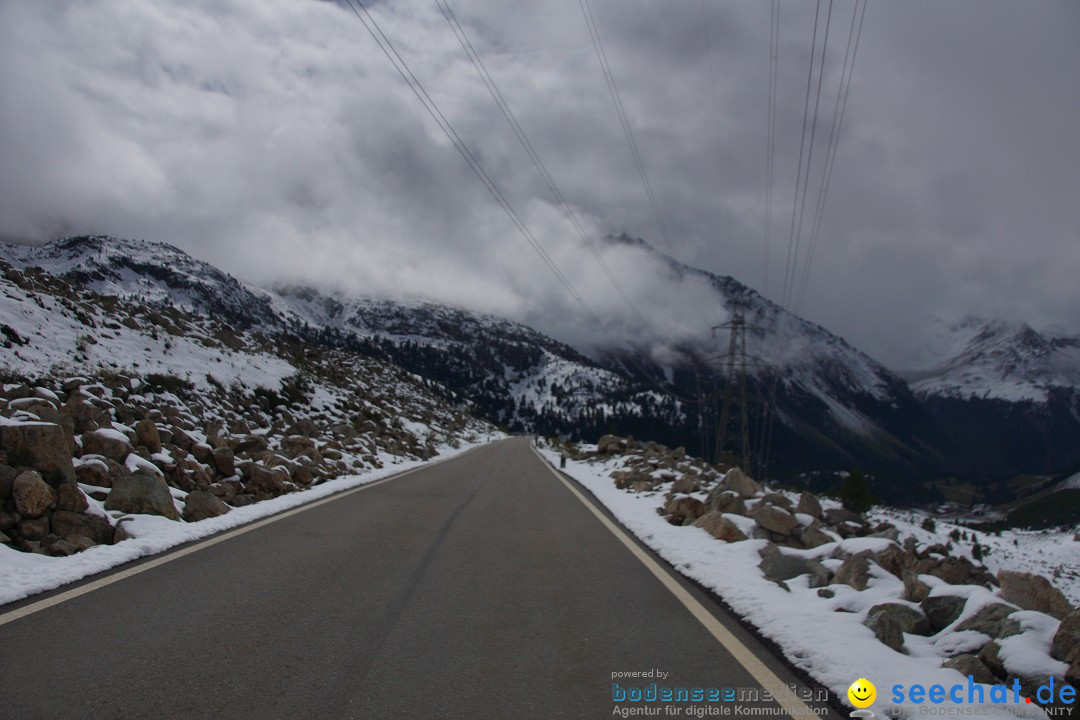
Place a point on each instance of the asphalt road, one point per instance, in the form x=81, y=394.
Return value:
x=478, y=588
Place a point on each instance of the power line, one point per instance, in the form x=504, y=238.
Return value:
x=774, y=54
x=789, y=266
x=384, y=43
x=628, y=132
x=504, y=107
x=834, y=139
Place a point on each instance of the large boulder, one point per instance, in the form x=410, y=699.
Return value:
x=1066, y=644
x=67, y=525
x=723, y=500
x=142, y=493
x=775, y=519
x=7, y=480
x=42, y=446
x=108, y=443
x=31, y=494
x=993, y=620
x=959, y=571
x=942, y=610
x=990, y=656
x=720, y=527
x=890, y=621
x=854, y=571
x=681, y=510
x=809, y=505
x=147, y=434
x=779, y=568
x=1033, y=592
x=200, y=505
x=69, y=497
x=973, y=666
x=606, y=445
x=224, y=461
x=813, y=536
x=682, y=485
x=261, y=481
x=740, y=482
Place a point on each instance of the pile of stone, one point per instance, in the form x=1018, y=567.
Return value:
x=140, y=450
x=733, y=507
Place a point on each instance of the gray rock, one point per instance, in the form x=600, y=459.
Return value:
x=1033, y=592
x=836, y=517
x=31, y=494
x=960, y=571
x=606, y=445
x=855, y=571
x=106, y=444
x=908, y=619
x=775, y=519
x=915, y=589
x=740, y=482
x=7, y=480
x=1066, y=644
x=261, y=481
x=67, y=524
x=971, y=665
x=894, y=559
x=146, y=433
x=809, y=505
x=4, y=539
x=723, y=500
x=142, y=493
x=682, y=485
x=942, y=610
x=779, y=568
x=93, y=473
x=683, y=509
x=886, y=630
x=993, y=620
x=43, y=446
x=778, y=499
x=70, y=497
x=33, y=528
x=57, y=547
x=990, y=657
x=813, y=536
x=224, y=461
x=201, y=505
x=720, y=527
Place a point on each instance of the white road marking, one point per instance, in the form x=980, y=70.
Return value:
x=742, y=654
x=157, y=562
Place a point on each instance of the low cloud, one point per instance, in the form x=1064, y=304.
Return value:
x=274, y=139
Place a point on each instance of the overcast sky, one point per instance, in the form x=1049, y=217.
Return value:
x=274, y=139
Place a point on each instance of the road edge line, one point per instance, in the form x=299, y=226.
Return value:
x=170, y=555
x=765, y=677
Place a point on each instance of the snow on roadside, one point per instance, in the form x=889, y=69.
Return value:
x=825, y=637
x=25, y=574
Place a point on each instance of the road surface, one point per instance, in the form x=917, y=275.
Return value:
x=480, y=587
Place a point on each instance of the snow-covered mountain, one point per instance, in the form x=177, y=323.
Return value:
x=509, y=373
x=993, y=359
x=1006, y=395
x=835, y=407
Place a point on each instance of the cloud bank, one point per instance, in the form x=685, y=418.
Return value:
x=275, y=140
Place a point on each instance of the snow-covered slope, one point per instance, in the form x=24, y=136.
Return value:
x=998, y=360
x=835, y=407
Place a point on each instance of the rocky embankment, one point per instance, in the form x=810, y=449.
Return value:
x=932, y=601
x=79, y=455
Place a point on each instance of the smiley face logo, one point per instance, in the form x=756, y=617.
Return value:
x=862, y=693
